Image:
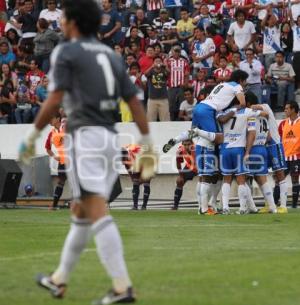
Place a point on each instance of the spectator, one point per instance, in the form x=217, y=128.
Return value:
x=7, y=102
x=130, y=58
x=185, y=26
x=8, y=74
x=158, y=104
x=282, y=75
x=158, y=51
x=131, y=8
x=241, y=33
x=163, y=19
x=141, y=21
x=52, y=14
x=138, y=79
x=13, y=39
x=198, y=83
x=44, y=42
x=110, y=23
x=168, y=38
x=271, y=42
x=42, y=91
x=186, y=107
x=234, y=5
x=134, y=37
x=254, y=68
x=119, y=49
x=223, y=73
x=235, y=62
x=222, y=51
x=204, y=19
x=291, y=145
x=146, y=61
x=134, y=48
x=263, y=5
x=153, y=8
x=173, y=7
x=179, y=70
x=286, y=41
x=296, y=47
x=217, y=39
x=203, y=50
x=6, y=56
x=24, y=58
x=23, y=110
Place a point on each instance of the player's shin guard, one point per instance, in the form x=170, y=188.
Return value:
x=135, y=194
x=283, y=192
x=57, y=194
x=177, y=196
x=243, y=196
x=295, y=194
x=268, y=194
x=250, y=201
x=204, y=195
x=147, y=191
x=110, y=252
x=276, y=193
x=75, y=243
x=225, y=196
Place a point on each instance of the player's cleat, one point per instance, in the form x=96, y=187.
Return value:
x=252, y=211
x=169, y=145
x=226, y=212
x=282, y=210
x=210, y=212
x=57, y=291
x=112, y=298
x=174, y=208
x=242, y=212
x=264, y=210
x=144, y=207
x=134, y=208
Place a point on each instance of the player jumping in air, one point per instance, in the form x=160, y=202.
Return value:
x=89, y=78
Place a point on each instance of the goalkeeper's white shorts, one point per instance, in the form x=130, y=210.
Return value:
x=92, y=161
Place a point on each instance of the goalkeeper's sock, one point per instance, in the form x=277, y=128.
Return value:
x=177, y=196
x=110, y=252
x=225, y=195
x=135, y=193
x=276, y=193
x=147, y=191
x=75, y=243
x=210, y=136
x=182, y=137
x=57, y=194
x=283, y=192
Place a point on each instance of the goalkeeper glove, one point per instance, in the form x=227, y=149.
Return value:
x=27, y=147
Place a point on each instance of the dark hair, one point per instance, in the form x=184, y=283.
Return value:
x=238, y=12
x=150, y=46
x=157, y=44
x=189, y=89
x=249, y=49
x=135, y=65
x=85, y=13
x=280, y=52
x=238, y=76
x=223, y=57
x=50, y=1
x=237, y=52
x=157, y=57
x=211, y=30
x=134, y=27
x=131, y=54
x=43, y=23
x=293, y=105
x=251, y=98
x=184, y=9
x=16, y=40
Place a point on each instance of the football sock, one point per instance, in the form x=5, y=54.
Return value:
x=295, y=191
x=268, y=194
x=283, y=192
x=75, y=243
x=198, y=192
x=182, y=137
x=276, y=193
x=135, y=193
x=250, y=200
x=215, y=190
x=146, y=194
x=57, y=194
x=204, y=195
x=210, y=136
x=243, y=196
x=110, y=252
x=225, y=195
x=177, y=196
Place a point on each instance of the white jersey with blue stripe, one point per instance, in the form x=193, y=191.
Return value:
x=273, y=127
x=222, y=95
x=235, y=130
x=262, y=131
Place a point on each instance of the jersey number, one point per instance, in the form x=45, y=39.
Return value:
x=263, y=126
x=217, y=90
x=104, y=62
x=233, y=123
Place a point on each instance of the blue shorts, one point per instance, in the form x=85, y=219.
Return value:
x=232, y=161
x=206, y=161
x=258, y=161
x=276, y=158
x=204, y=117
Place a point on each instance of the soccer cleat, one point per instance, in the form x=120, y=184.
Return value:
x=144, y=207
x=242, y=212
x=134, y=208
x=282, y=210
x=210, y=212
x=264, y=210
x=253, y=211
x=169, y=145
x=225, y=212
x=174, y=208
x=57, y=291
x=112, y=298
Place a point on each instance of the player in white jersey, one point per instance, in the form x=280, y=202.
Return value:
x=276, y=160
x=258, y=160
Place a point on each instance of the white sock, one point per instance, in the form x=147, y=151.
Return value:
x=210, y=136
x=75, y=243
x=182, y=137
x=110, y=252
x=283, y=192
x=250, y=200
x=225, y=195
x=243, y=196
x=268, y=194
x=204, y=195
x=215, y=190
x=198, y=192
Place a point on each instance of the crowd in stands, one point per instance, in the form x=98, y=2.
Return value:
x=175, y=51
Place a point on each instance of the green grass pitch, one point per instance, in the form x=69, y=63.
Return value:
x=175, y=258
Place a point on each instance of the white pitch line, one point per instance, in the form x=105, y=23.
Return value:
x=40, y=255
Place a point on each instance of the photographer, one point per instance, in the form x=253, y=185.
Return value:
x=158, y=103
x=282, y=75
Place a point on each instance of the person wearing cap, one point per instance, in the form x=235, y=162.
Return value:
x=6, y=56
x=163, y=19
x=152, y=36
x=168, y=37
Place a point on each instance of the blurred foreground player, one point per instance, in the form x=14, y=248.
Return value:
x=89, y=78
x=56, y=138
x=129, y=153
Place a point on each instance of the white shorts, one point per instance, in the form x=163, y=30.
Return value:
x=92, y=161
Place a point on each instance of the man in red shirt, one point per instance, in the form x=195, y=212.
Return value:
x=223, y=73
x=146, y=61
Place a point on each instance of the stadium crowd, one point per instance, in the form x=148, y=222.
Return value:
x=175, y=51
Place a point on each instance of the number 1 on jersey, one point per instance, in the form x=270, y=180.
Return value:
x=104, y=62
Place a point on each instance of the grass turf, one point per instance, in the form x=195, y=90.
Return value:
x=173, y=257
